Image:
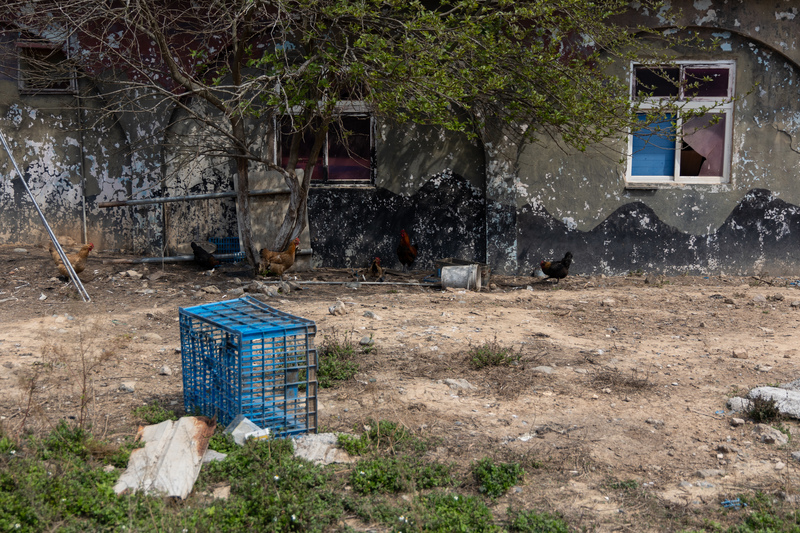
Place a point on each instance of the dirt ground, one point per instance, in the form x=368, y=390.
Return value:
x=620, y=379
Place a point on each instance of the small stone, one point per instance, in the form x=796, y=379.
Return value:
x=738, y=404
x=109, y=468
x=270, y=291
x=127, y=386
x=284, y=287
x=780, y=465
x=740, y=353
x=152, y=276
x=769, y=435
x=737, y=422
x=353, y=285
x=370, y=314
x=763, y=368
x=542, y=370
x=608, y=302
x=458, y=384
x=366, y=341
x=20, y=251
x=211, y=289
x=795, y=304
x=165, y=371
x=236, y=291
x=133, y=274
x=707, y=473
x=777, y=297
x=152, y=337
x=759, y=299
x=685, y=485
x=338, y=309
x=656, y=423
x=796, y=456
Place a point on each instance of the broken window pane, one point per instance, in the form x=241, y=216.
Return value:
x=307, y=142
x=349, y=149
x=657, y=81
x=703, y=147
x=707, y=82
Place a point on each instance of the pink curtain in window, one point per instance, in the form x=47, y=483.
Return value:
x=707, y=140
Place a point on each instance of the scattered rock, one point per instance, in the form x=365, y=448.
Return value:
x=707, y=473
x=608, y=302
x=133, y=274
x=20, y=251
x=769, y=435
x=152, y=276
x=738, y=404
x=542, y=370
x=740, y=353
x=151, y=337
x=777, y=297
x=353, y=285
x=165, y=371
x=370, y=314
x=796, y=456
x=236, y=291
x=338, y=309
x=221, y=493
x=270, y=291
x=367, y=341
x=458, y=384
x=211, y=289
x=759, y=299
x=127, y=386
x=284, y=287
x=737, y=422
x=795, y=304
x=655, y=423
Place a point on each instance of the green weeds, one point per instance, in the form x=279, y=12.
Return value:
x=491, y=353
x=154, y=413
x=336, y=359
x=495, y=479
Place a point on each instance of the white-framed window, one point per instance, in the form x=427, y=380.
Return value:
x=44, y=68
x=348, y=153
x=689, y=142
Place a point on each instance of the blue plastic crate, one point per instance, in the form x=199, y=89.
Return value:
x=227, y=245
x=245, y=357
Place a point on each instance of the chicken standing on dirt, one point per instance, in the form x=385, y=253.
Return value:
x=276, y=263
x=78, y=260
x=406, y=252
x=557, y=269
x=375, y=270
x=204, y=258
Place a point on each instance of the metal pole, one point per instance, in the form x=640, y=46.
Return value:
x=61, y=254
x=207, y=196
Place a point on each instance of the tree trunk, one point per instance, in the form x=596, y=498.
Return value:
x=243, y=193
x=296, y=214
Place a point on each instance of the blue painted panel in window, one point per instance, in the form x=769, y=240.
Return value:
x=654, y=148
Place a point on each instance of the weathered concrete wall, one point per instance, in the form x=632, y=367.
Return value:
x=579, y=201
x=429, y=182
x=69, y=168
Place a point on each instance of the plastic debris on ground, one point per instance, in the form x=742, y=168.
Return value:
x=733, y=504
x=242, y=428
x=171, y=458
x=320, y=448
